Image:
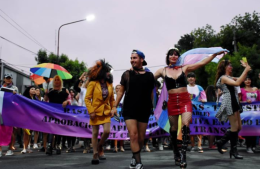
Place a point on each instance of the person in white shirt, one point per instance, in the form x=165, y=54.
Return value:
x=197, y=93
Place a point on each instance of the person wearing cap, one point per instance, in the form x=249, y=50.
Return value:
x=6, y=132
x=137, y=85
x=179, y=102
x=197, y=93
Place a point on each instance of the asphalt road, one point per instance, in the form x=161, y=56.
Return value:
x=210, y=159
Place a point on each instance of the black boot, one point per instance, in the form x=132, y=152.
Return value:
x=220, y=143
x=176, y=152
x=233, y=151
x=185, y=142
x=49, y=149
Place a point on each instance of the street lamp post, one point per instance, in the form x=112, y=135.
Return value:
x=88, y=18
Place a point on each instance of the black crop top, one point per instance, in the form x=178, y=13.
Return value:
x=175, y=83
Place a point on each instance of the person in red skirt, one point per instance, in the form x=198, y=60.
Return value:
x=179, y=102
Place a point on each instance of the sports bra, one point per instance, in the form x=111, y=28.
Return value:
x=175, y=83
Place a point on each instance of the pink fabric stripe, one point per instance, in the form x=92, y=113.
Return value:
x=5, y=135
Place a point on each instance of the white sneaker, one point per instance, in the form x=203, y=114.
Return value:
x=132, y=164
x=108, y=147
x=0, y=153
x=23, y=151
x=139, y=166
x=249, y=150
x=160, y=147
x=9, y=153
x=192, y=149
x=35, y=146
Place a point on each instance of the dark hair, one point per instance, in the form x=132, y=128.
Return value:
x=171, y=52
x=211, y=93
x=26, y=93
x=99, y=71
x=191, y=74
x=243, y=84
x=221, y=70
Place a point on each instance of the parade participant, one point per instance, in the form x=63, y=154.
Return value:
x=197, y=93
x=99, y=102
x=30, y=94
x=58, y=95
x=36, y=133
x=71, y=140
x=81, y=87
x=250, y=94
x=121, y=142
x=229, y=109
x=6, y=135
x=179, y=102
x=137, y=85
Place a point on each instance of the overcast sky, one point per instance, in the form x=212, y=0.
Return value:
x=151, y=26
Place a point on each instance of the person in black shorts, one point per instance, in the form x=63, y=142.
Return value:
x=137, y=84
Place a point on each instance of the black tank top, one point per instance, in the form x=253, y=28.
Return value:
x=175, y=83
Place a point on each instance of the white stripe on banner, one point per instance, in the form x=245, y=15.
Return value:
x=1, y=105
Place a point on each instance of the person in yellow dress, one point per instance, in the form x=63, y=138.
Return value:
x=99, y=101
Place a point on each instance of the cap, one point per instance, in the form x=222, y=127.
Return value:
x=8, y=75
x=141, y=54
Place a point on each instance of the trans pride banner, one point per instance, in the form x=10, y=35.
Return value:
x=18, y=111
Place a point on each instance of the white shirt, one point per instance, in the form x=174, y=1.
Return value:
x=82, y=95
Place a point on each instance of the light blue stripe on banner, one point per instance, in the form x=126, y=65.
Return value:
x=1, y=106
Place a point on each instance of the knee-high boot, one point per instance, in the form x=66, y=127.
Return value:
x=185, y=142
x=220, y=143
x=233, y=151
x=176, y=152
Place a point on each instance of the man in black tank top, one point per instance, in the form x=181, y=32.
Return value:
x=137, y=84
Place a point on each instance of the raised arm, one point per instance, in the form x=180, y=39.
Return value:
x=239, y=80
x=158, y=73
x=193, y=67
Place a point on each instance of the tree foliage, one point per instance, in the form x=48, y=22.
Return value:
x=75, y=67
x=245, y=29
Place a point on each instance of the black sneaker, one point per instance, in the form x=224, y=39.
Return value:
x=139, y=166
x=42, y=149
x=133, y=163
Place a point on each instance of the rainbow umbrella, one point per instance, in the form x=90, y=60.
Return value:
x=49, y=70
x=189, y=57
x=38, y=79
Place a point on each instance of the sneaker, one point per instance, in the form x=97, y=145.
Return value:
x=9, y=153
x=85, y=151
x=108, y=147
x=35, y=146
x=146, y=149
x=133, y=163
x=192, y=149
x=42, y=149
x=23, y=151
x=249, y=150
x=160, y=147
x=200, y=150
x=115, y=150
x=139, y=166
x=122, y=149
